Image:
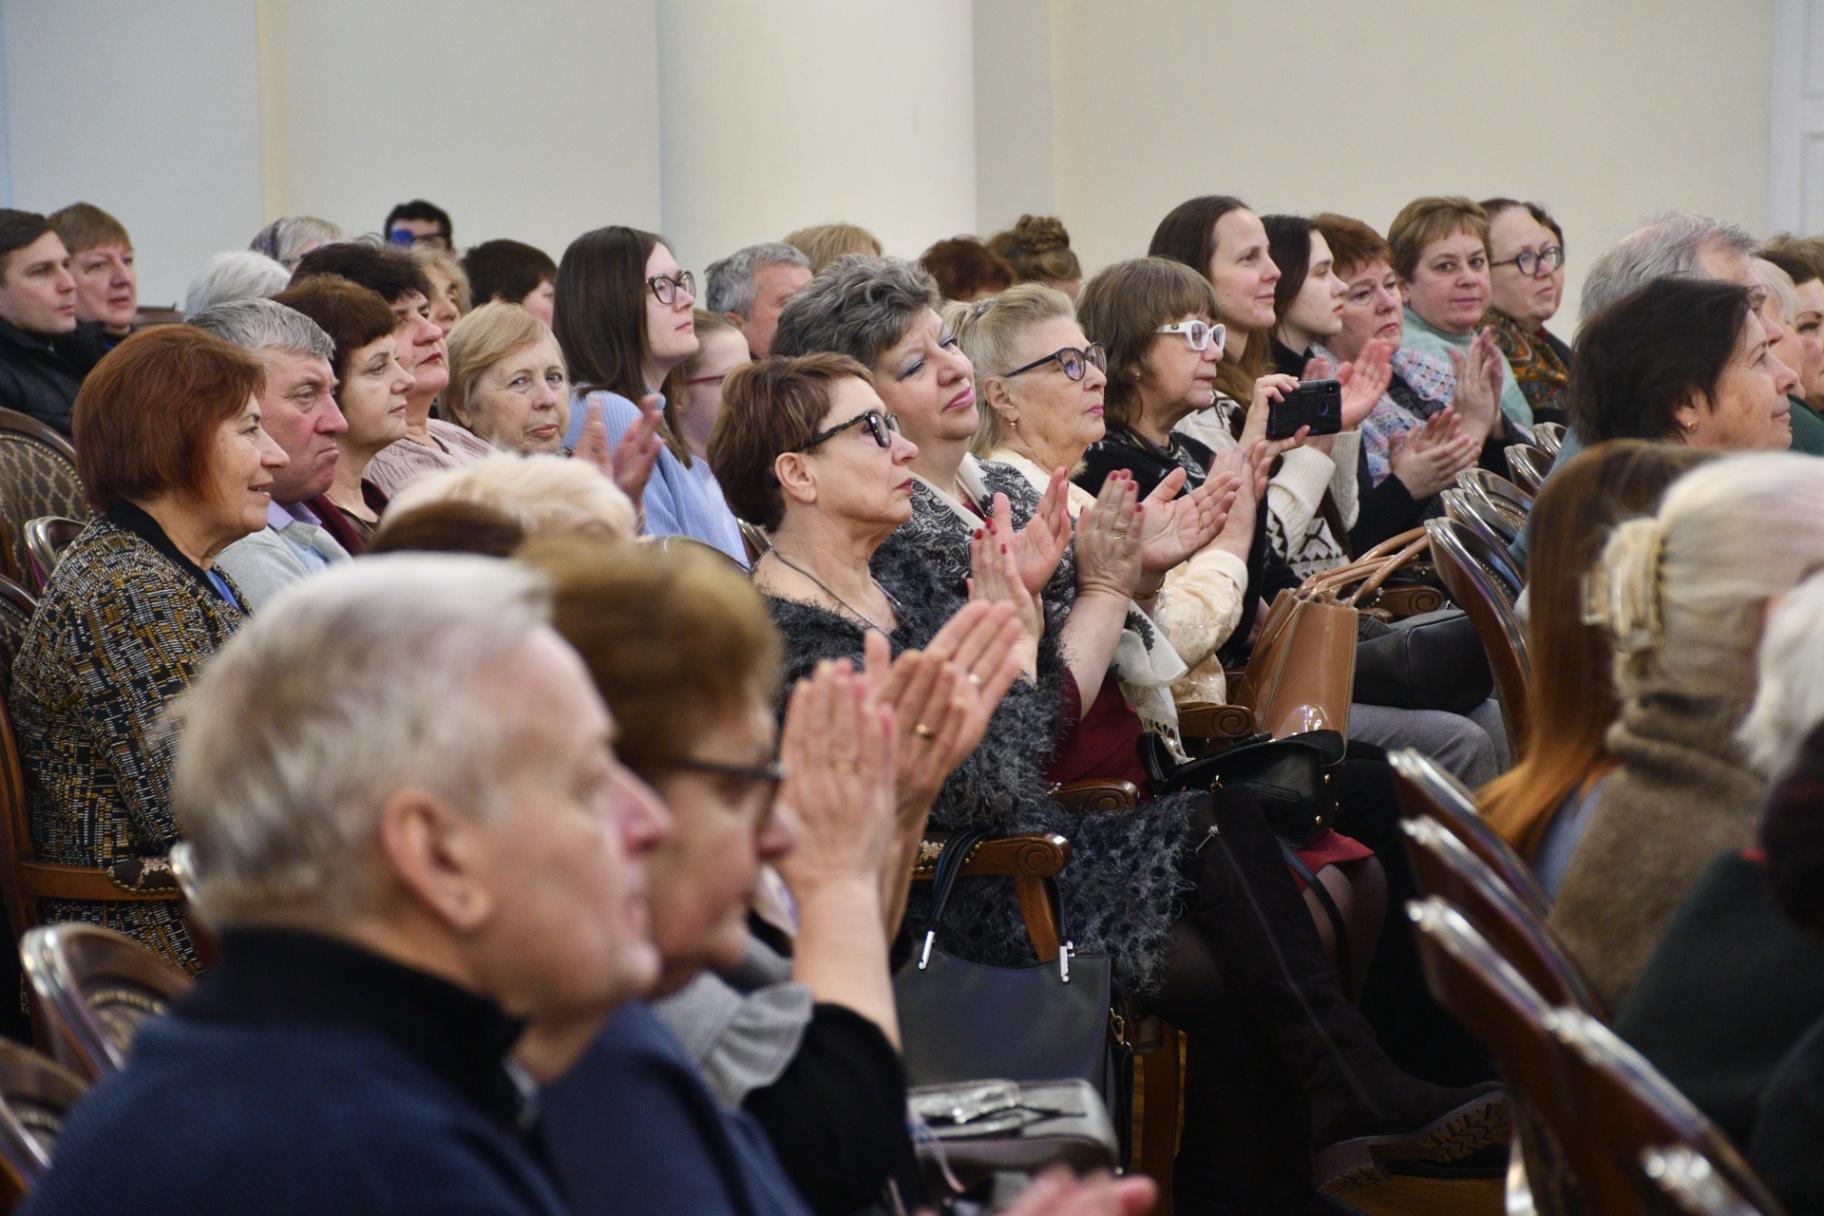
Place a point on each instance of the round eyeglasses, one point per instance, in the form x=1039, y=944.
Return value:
x=665, y=287
x=1200, y=334
x=1529, y=263
x=881, y=427
x=1071, y=361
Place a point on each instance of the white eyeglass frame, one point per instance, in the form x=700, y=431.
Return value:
x=1214, y=331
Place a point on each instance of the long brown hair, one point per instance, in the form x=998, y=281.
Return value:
x=1572, y=700
x=600, y=317
x=1188, y=234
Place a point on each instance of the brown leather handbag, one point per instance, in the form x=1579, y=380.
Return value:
x=1301, y=676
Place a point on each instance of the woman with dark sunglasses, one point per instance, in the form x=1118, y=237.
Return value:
x=625, y=319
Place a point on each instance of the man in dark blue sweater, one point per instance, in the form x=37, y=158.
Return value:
x=412, y=830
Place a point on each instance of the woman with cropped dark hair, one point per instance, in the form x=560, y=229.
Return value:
x=1680, y=359
x=177, y=467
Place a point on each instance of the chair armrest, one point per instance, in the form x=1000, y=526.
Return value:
x=1096, y=794
x=1032, y=856
x=54, y=880
x=1030, y=861
x=1207, y=728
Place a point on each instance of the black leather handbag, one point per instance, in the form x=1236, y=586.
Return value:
x=1291, y=779
x=1435, y=661
x=961, y=1021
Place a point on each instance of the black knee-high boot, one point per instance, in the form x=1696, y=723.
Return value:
x=1363, y=1106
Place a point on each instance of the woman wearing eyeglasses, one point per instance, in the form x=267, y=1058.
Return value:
x=805, y=448
x=1526, y=276
x=883, y=313
x=625, y=319
x=1045, y=412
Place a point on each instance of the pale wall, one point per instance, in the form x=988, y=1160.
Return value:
x=536, y=120
x=728, y=121
x=163, y=133
x=776, y=116
x=1606, y=111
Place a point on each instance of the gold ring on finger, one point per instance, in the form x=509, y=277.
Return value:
x=923, y=731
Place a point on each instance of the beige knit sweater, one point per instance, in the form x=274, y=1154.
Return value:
x=1682, y=794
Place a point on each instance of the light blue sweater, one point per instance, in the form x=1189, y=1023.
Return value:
x=679, y=501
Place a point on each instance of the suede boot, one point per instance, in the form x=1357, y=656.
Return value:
x=1364, y=1108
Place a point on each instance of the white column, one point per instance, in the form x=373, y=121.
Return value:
x=776, y=116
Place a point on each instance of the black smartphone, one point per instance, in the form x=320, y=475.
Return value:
x=1317, y=404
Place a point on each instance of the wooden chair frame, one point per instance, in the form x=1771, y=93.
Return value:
x=29, y=1083
x=1483, y=581
x=1427, y=790
x=1549, y=437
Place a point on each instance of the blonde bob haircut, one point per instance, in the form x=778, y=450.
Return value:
x=1429, y=219
x=480, y=340
x=545, y=495
x=1682, y=593
x=990, y=331
x=449, y=266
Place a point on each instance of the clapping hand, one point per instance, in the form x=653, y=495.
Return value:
x=1108, y=539
x=1365, y=381
x=1428, y=458
x=629, y=463
x=943, y=696
x=994, y=578
x=1039, y=546
x=838, y=751
x=1478, y=396
x=1174, y=527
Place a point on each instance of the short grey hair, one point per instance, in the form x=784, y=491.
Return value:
x=1779, y=286
x=857, y=307
x=235, y=275
x=1789, y=703
x=290, y=237
x=729, y=284
x=258, y=325
x=1667, y=247
x=357, y=683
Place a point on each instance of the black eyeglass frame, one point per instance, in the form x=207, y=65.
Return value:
x=882, y=428
x=683, y=278
x=1556, y=253
x=1095, y=353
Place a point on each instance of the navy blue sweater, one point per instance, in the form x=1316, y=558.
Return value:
x=304, y=1077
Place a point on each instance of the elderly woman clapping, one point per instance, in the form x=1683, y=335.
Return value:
x=820, y=800
x=1043, y=386
x=807, y=448
x=175, y=462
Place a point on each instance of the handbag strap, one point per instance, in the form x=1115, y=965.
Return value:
x=949, y=868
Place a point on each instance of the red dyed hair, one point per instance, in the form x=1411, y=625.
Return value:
x=144, y=422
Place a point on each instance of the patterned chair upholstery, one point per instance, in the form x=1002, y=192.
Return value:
x=16, y=608
x=97, y=987
x=37, y=478
x=36, y=1096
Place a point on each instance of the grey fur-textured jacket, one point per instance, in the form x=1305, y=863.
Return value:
x=1123, y=886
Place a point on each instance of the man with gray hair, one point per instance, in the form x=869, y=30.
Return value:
x=299, y=411
x=751, y=285
x=1676, y=245
x=415, y=840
